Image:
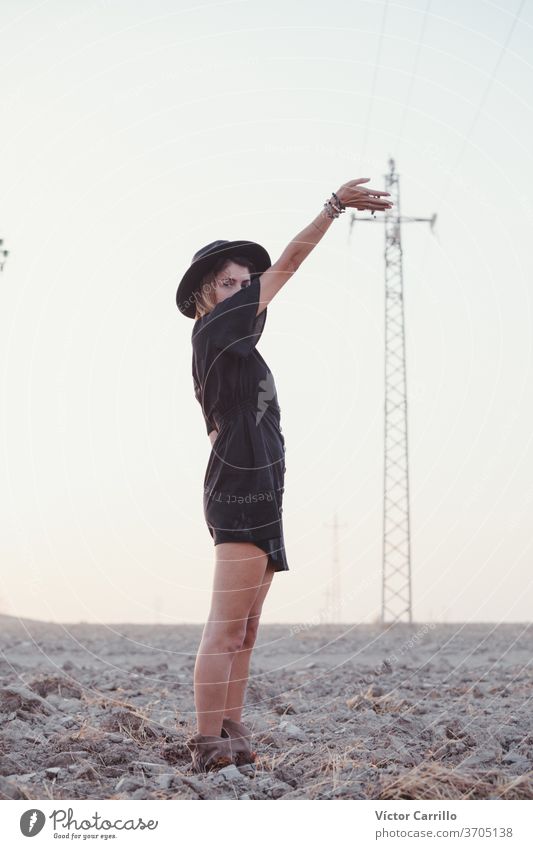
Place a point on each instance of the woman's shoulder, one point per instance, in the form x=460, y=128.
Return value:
x=197, y=326
x=228, y=305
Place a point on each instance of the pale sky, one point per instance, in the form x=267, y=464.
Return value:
x=137, y=131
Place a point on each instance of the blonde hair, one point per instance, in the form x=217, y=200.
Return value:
x=205, y=294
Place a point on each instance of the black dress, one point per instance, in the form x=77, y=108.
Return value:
x=244, y=479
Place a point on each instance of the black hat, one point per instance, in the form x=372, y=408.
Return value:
x=205, y=258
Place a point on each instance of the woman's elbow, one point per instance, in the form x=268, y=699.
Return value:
x=289, y=261
x=294, y=264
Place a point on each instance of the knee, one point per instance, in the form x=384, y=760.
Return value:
x=250, y=634
x=224, y=637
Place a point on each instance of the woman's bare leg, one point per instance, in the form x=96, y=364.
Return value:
x=239, y=572
x=240, y=667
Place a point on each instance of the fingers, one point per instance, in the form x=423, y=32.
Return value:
x=371, y=201
x=365, y=197
x=367, y=189
x=372, y=192
x=373, y=208
x=365, y=203
x=368, y=194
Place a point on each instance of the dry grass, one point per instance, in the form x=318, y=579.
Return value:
x=378, y=703
x=434, y=781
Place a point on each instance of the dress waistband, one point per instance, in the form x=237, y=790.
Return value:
x=244, y=404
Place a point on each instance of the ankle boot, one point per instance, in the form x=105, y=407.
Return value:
x=209, y=752
x=241, y=741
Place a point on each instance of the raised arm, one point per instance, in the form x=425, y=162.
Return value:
x=350, y=194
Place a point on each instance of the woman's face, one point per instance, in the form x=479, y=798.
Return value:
x=230, y=280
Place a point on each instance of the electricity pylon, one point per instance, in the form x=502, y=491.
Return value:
x=3, y=255
x=333, y=598
x=396, y=566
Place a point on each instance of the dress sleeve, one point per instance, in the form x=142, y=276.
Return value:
x=233, y=324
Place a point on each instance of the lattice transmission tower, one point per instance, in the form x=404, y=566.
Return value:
x=334, y=594
x=396, y=597
x=3, y=255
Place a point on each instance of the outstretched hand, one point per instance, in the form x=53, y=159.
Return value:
x=354, y=195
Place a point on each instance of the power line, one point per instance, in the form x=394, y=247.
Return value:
x=413, y=72
x=376, y=68
x=466, y=138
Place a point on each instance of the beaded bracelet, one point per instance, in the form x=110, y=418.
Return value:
x=333, y=210
x=341, y=204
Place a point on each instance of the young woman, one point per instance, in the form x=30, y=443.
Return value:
x=227, y=289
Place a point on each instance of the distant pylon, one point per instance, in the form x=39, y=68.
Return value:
x=3, y=255
x=396, y=599
x=333, y=594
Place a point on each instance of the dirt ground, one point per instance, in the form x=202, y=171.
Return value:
x=420, y=711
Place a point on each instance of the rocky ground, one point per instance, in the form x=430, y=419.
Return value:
x=417, y=711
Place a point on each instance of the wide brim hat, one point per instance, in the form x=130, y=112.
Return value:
x=205, y=258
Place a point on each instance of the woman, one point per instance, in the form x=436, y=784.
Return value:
x=227, y=289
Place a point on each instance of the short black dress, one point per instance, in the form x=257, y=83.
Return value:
x=244, y=479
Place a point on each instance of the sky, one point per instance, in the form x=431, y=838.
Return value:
x=136, y=132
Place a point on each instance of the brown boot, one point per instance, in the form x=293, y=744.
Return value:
x=209, y=752
x=241, y=741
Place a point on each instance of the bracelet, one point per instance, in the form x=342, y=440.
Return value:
x=341, y=204
x=332, y=210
